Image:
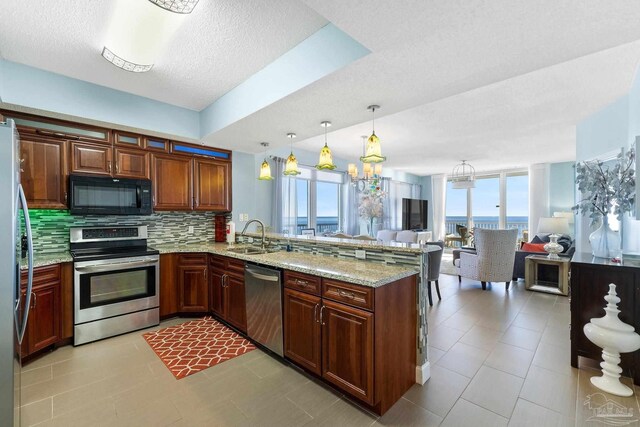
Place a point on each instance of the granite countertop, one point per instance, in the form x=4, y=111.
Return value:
x=352, y=243
x=352, y=271
x=42, y=260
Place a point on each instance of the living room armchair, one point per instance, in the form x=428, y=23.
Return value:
x=494, y=257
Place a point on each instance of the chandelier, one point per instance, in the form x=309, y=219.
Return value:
x=371, y=173
x=463, y=176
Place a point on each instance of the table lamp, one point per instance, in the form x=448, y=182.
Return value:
x=555, y=227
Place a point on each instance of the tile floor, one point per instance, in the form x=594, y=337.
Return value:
x=497, y=359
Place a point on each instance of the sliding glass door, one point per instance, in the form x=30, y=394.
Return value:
x=485, y=206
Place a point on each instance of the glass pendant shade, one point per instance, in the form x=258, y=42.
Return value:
x=265, y=171
x=326, y=159
x=291, y=165
x=353, y=170
x=378, y=169
x=373, y=153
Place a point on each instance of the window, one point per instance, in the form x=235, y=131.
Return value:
x=518, y=202
x=318, y=201
x=456, y=208
x=486, y=203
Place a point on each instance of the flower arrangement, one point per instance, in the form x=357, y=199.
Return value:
x=607, y=189
x=371, y=205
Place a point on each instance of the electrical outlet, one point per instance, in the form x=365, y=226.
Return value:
x=191, y=229
x=244, y=217
x=361, y=254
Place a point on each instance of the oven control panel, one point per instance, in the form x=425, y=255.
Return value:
x=109, y=233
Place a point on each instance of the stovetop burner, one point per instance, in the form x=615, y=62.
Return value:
x=96, y=243
x=91, y=254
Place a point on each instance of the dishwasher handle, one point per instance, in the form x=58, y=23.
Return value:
x=261, y=276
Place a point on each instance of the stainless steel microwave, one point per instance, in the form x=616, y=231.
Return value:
x=96, y=195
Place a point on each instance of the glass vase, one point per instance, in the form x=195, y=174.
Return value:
x=605, y=243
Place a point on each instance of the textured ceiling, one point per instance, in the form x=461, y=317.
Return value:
x=220, y=44
x=501, y=83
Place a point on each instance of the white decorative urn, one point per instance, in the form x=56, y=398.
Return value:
x=614, y=337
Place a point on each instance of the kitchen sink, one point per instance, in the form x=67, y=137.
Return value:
x=251, y=250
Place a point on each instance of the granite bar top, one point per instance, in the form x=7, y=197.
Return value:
x=352, y=271
x=350, y=243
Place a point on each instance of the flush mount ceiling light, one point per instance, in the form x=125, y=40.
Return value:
x=177, y=6
x=291, y=165
x=326, y=159
x=463, y=176
x=139, y=31
x=373, y=153
x=265, y=168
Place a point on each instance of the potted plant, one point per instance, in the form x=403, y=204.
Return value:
x=608, y=189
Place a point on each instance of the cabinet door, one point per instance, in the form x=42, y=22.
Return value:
x=171, y=176
x=193, y=289
x=302, y=331
x=212, y=184
x=235, y=302
x=216, y=293
x=168, y=285
x=131, y=163
x=44, y=317
x=347, y=347
x=91, y=158
x=43, y=174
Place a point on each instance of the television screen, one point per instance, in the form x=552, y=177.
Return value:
x=414, y=214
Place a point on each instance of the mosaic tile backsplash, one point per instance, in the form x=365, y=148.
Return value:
x=51, y=227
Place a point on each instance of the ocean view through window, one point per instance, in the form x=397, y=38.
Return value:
x=485, y=203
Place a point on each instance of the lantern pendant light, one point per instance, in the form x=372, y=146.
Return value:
x=326, y=159
x=291, y=165
x=265, y=168
x=373, y=153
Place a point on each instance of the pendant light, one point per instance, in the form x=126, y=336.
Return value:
x=291, y=165
x=463, y=176
x=326, y=159
x=265, y=168
x=373, y=153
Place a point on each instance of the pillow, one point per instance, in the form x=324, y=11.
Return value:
x=538, y=239
x=533, y=247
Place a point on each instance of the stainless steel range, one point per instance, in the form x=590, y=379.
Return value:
x=116, y=282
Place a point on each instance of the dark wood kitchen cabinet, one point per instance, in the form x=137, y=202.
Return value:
x=172, y=184
x=43, y=175
x=590, y=279
x=302, y=337
x=95, y=159
x=168, y=286
x=131, y=163
x=361, y=340
x=212, y=185
x=44, y=326
x=227, y=290
x=193, y=286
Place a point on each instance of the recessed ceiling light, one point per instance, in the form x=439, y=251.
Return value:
x=177, y=6
x=123, y=63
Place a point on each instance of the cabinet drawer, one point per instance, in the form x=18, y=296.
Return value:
x=42, y=275
x=302, y=282
x=347, y=293
x=235, y=267
x=216, y=262
x=193, y=259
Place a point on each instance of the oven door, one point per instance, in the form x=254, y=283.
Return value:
x=108, y=288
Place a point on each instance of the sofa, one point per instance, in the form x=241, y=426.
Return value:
x=404, y=236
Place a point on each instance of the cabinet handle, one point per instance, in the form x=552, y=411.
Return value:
x=154, y=200
x=346, y=294
x=224, y=280
x=35, y=299
x=109, y=166
x=315, y=313
x=205, y=274
x=65, y=197
x=321, y=316
x=302, y=283
x=117, y=168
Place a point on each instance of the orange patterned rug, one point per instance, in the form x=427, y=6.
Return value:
x=196, y=345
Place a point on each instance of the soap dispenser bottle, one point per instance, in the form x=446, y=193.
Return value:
x=231, y=232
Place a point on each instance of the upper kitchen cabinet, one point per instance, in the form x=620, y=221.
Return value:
x=172, y=184
x=94, y=159
x=53, y=128
x=125, y=139
x=43, y=171
x=131, y=163
x=212, y=185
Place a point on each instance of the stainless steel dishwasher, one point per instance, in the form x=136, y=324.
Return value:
x=264, y=306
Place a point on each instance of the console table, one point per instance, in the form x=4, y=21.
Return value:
x=590, y=279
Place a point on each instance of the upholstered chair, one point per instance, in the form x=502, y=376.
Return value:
x=494, y=257
x=386, y=235
x=407, y=236
x=433, y=269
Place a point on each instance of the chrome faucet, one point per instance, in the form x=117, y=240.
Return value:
x=262, y=243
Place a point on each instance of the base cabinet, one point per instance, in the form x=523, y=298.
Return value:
x=228, y=300
x=359, y=339
x=193, y=288
x=44, y=325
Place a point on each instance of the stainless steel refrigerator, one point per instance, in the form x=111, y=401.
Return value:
x=14, y=304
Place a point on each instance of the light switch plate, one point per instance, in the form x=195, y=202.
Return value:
x=361, y=254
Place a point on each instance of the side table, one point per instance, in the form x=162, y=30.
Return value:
x=543, y=274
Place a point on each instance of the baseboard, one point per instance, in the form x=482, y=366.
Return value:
x=423, y=373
